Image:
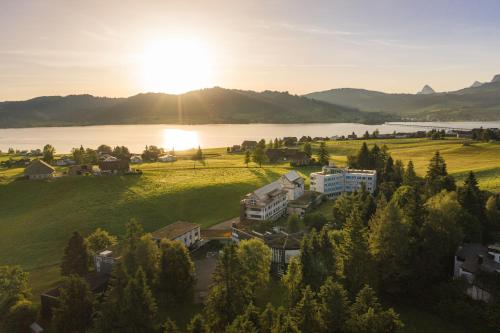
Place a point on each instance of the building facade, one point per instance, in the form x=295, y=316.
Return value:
x=270, y=202
x=333, y=181
x=185, y=232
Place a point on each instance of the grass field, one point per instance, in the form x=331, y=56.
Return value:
x=37, y=217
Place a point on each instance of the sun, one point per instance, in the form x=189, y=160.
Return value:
x=176, y=66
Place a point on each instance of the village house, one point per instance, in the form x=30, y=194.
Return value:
x=294, y=156
x=64, y=161
x=38, y=169
x=167, y=158
x=479, y=265
x=185, y=232
x=136, y=159
x=114, y=166
x=235, y=149
x=333, y=181
x=80, y=170
x=248, y=145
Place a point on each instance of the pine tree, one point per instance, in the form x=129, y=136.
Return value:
x=285, y=324
x=75, y=307
x=177, y=276
x=410, y=177
x=470, y=196
x=99, y=240
x=258, y=155
x=198, y=156
x=492, y=212
x=247, y=157
x=169, y=326
x=230, y=292
x=363, y=159
x=18, y=317
x=368, y=316
x=437, y=178
x=323, y=155
x=293, y=282
x=399, y=171
x=308, y=149
x=197, y=325
x=307, y=313
x=255, y=257
x=267, y=318
x=76, y=256
x=354, y=262
x=276, y=143
x=334, y=306
x=388, y=175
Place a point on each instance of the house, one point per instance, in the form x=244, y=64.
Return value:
x=248, y=145
x=300, y=158
x=270, y=201
x=185, y=232
x=283, y=246
x=136, y=159
x=479, y=266
x=80, y=170
x=304, y=203
x=105, y=259
x=333, y=181
x=64, y=161
x=114, y=166
x=235, y=149
x=38, y=169
x=103, y=157
x=294, y=156
x=167, y=158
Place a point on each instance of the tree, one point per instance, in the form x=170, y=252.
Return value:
x=138, y=305
x=364, y=159
x=342, y=209
x=248, y=322
x=145, y=256
x=76, y=256
x=104, y=149
x=293, y=223
x=247, y=157
x=492, y=212
x=307, y=313
x=121, y=152
x=255, y=257
x=198, y=156
x=354, y=262
x=177, y=276
x=437, y=178
x=267, y=319
x=293, y=282
x=315, y=221
x=285, y=324
x=323, y=155
x=389, y=242
x=367, y=315
x=276, y=143
x=258, y=155
x=78, y=155
x=76, y=306
x=48, y=153
x=334, y=306
x=470, y=196
x=308, y=149
x=151, y=153
x=99, y=240
x=197, y=325
x=13, y=287
x=230, y=292
x=19, y=316
x=399, y=171
x=410, y=177
x=170, y=326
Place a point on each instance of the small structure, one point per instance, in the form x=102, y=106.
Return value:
x=64, y=161
x=248, y=145
x=114, y=166
x=36, y=328
x=80, y=170
x=167, y=158
x=294, y=156
x=235, y=149
x=136, y=159
x=104, y=260
x=304, y=203
x=185, y=232
x=480, y=267
x=38, y=169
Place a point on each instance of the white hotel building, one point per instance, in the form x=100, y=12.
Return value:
x=270, y=202
x=333, y=181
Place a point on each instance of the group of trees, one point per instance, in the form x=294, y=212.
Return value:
x=485, y=134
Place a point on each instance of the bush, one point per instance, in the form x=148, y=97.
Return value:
x=20, y=316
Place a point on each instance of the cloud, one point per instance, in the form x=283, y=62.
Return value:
x=307, y=29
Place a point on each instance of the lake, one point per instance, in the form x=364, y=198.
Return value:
x=180, y=137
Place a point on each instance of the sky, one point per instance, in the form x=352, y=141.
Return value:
x=115, y=48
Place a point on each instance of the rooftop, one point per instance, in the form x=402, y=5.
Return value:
x=38, y=167
x=470, y=254
x=174, y=230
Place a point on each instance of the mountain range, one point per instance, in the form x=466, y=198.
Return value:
x=479, y=102
x=206, y=106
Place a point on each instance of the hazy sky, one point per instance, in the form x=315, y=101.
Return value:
x=72, y=47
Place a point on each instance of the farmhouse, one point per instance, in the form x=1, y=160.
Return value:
x=114, y=166
x=167, y=158
x=185, y=232
x=38, y=169
x=248, y=145
x=480, y=267
x=333, y=181
x=79, y=170
x=136, y=159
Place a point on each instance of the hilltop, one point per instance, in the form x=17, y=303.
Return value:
x=207, y=106
x=480, y=102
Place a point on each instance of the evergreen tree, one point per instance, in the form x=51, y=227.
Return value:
x=363, y=159
x=368, y=316
x=249, y=321
x=389, y=242
x=48, y=154
x=378, y=157
x=267, y=319
x=75, y=307
x=388, y=175
x=18, y=317
x=342, y=209
x=14, y=287
x=198, y=156
x=470, y=196
x=323, y=155
x=230, y=292
x=276, y=143
x=292, y=281
x=169, y=326
x=315, y=221
x=145, y=255
x=399, y=171
x=285, y=324
x=437, y=178
x=410, y=177
x=247, y=157
x=76, y=256
x=177, y=275
x=258, y=155
x=255, y=257
x=354, y=262
x=138, y=307
x=307, y=313
x=334, y=306
x=100, y=240
x=308, y=149
x=197, y=325
x=492, y=212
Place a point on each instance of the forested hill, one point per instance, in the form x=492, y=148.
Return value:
x=478, y=102
x=207, y=106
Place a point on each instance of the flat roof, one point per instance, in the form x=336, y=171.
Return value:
x=174, y=230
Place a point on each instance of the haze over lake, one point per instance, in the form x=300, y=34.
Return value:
x=180, y=137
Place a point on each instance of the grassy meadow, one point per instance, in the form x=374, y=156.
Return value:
x=37, y=217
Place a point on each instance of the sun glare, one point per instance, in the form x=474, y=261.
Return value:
x=180, y=139
x=176, y=66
